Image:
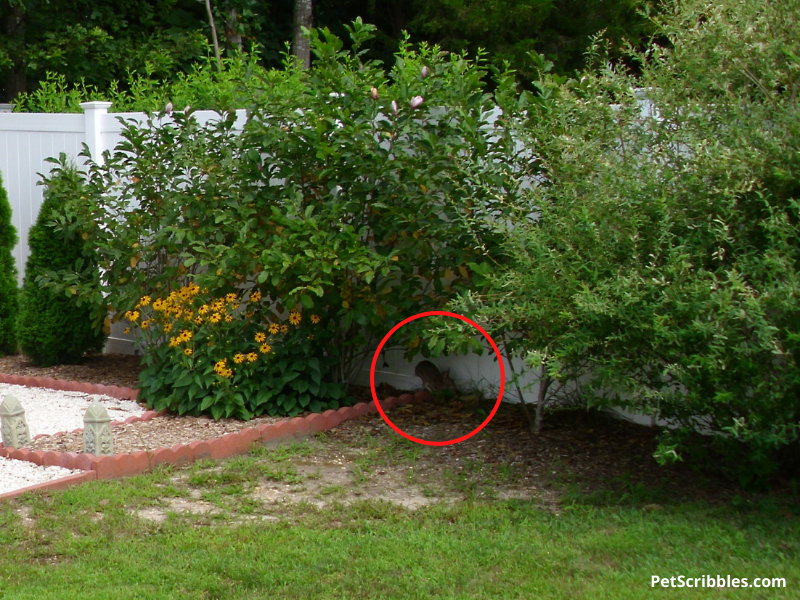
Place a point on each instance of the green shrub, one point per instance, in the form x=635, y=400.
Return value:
x=9, y=292
x=205, y=86
x=56, y=328
x=664, y=267
x=351, y=199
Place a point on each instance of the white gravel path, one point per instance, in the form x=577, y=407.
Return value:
x=17, y=474
x=48, y=412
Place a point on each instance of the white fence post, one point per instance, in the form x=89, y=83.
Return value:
x=94, y=112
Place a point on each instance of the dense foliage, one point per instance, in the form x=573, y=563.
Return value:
x=661, y=267
x=203, y=86
x=98, y=43
x=9, y=293
x=509, y=30
x=637, y=236
x=57, y=328
x=263, y=267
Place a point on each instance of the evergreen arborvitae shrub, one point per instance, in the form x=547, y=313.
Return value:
x=52, y=328
x=9, y=293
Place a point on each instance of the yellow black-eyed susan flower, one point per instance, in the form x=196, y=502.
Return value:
x=265, y=348
x=228, y=318
x=255, y=296
x=215, y=318
x=203, y=309
x=274, y=328
x=198, y=320
x=252, y=357
x=230, y=298
x=261, y=337
x=295, y=317
x=315, y=319
x=238, y=358
x=284, y=328
x=145, y=301
x=187, y=351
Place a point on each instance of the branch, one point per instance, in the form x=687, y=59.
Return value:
x=214, y=34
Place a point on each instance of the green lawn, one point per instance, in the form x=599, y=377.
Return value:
x=89, y=542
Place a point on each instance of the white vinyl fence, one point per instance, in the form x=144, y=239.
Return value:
x=28, y=139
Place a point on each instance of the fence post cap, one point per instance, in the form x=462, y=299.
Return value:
x=96, y=105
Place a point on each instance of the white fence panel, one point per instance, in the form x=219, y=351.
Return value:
x=26, y=141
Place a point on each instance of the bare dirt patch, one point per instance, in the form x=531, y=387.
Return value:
x=363, y=462
x=578, y=451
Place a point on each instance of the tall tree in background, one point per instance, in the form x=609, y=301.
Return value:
x=303, y=17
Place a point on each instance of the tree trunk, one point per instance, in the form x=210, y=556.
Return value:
x=232, y=33
x=302, y=18
x=544, y=385
x=14, y=27
x=214, y=37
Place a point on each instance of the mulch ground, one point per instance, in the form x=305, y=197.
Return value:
x=107, y=369
x=586, y=451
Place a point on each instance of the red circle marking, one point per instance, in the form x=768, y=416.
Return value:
x=414, y=318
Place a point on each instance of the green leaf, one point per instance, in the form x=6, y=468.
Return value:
x=207, y=401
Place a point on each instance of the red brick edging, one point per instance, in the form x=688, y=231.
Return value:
x=123, y=465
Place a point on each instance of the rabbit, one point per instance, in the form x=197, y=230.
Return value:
x=432, y=378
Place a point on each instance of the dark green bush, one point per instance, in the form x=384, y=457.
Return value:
x=350, y=203
x=9, y=292
x=54, y=328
